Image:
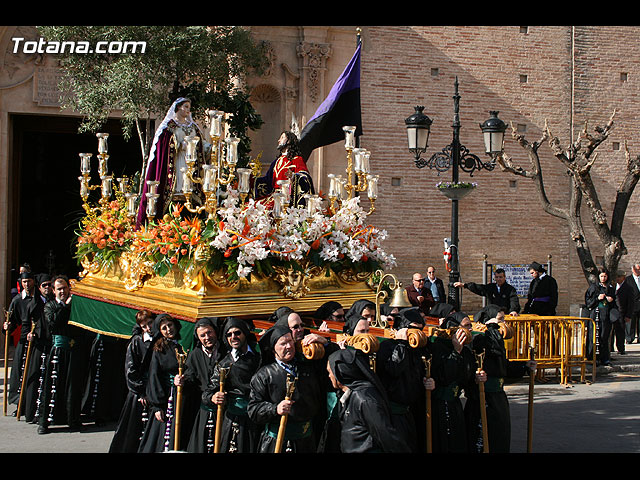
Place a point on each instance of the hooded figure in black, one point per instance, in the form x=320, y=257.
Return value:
x=441, y=310
x=355, y=314
x=327, y=313
x=452, y=364
x=402, y=371
x=26, y=311
x=135, y=412
x=268, y=391
x=239, y=433
x=208, y=350
x=364, y=411
x=496, y=367
x=161, y=391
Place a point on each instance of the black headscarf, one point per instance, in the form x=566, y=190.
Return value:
x=406, y=317
x=354, y=315
x=281, y=316
x=453, y=319
x=351, y=368
x=26, y=275
x=269, y=339
x=42, y=278
x=441, y=310
x=213, y=322
x=487, y=313
x=326, y=310
x=162, y=318
x=232, y=322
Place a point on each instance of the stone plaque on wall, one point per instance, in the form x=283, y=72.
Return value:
x=45, y=86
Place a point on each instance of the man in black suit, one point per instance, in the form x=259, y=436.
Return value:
x=435, y=285
x=631, y=328
x=542, y=298
x=419, y=295
x=498, y=292
x=624, y=306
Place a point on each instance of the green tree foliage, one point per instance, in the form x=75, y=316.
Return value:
x=206, y=64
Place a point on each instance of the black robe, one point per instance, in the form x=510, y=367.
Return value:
x=542, y=297
x=27, y=312
x=238, y=432
x=450, y=371
x=268, y=388
x=106, y=388
x=200, y=367
x=158, y=435
x=599, y=311
x=134, y=415
x=401, y=371
x=65, y=368
x=497, y=367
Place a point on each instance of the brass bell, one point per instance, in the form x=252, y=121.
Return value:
x=400, y=298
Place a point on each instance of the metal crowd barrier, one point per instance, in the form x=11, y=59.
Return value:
x=559, y=342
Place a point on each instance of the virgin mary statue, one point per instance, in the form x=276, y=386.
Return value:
x=167, y=158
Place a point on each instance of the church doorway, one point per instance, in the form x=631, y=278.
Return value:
x=45, y=207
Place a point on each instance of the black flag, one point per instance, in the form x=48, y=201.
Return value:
x=340, y=108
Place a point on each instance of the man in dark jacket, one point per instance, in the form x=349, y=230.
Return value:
x=542, y=298
x=625, y=307
x=632, y=328
x=497, y=293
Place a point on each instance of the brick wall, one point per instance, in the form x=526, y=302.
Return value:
x=559, y=74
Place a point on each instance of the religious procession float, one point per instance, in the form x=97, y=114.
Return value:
x=203, y=237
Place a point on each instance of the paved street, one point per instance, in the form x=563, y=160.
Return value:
x=600, y=417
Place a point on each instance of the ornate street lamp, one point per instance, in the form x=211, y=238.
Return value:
x=493, y=129
x=454, y=156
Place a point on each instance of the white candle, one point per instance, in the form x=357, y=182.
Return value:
x=192, y=143
x=84, y=187
x=232, y=150
x=209, y=182
x=215, y=118
x=372, y=188
x=131, y=203
x=187, y=185
x=365, y=161
x=85, y=163
x=333, y=193
x=358, y=154
x=152, y=187
x=244, y=175
x=102, y=142
x=106, y=186
x=151, y=204
x=349, y=140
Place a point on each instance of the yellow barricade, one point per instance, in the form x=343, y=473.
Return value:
x=559, y=342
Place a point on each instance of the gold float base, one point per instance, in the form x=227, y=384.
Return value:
x=258, y=296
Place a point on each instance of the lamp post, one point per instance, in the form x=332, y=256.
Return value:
x=456, y=157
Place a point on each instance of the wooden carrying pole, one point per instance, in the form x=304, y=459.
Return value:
x=216, y=445
x=483, y=408
x=429, y=444
x=6, y=365
x=25, y=372
x=291, y=385
x=181, y=357
x=532, y=379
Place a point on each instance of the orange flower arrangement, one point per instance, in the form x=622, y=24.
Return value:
x=105, y=232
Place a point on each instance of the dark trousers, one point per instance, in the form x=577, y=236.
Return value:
x=617, y=336
x=631, y=328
